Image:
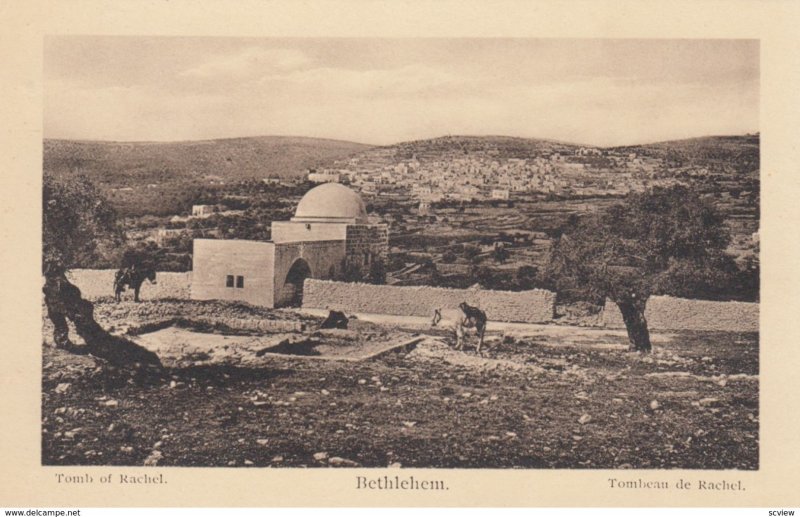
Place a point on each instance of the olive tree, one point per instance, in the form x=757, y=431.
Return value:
x=78, y=226
x=663, y=241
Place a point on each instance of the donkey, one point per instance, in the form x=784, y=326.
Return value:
x=132, y=278
x=471, y=317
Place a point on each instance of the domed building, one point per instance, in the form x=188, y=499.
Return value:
x=328, y=235
x=331, y=202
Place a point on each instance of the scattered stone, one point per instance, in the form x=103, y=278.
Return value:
x=153, y=459
x=708, y=401
x=111, y=403
x=466, y=395
x=654, y=405
x=126, y=449
x=336, y=461
x=172, y=384
x=511, y=434
x=60, y=411
x=325, y=392
x=586, y=418
x=262, y=441
x=669, y=374
x=321, y=456
x=395, y=465
x=158, y=445
x=617, y=401
x=248, y=462
x=493, y=397
x=62, y=387
x=409, y=424
x=277, y=459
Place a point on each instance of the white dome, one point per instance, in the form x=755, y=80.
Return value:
x=331, y=201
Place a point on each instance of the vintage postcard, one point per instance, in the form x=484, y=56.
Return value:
x=299, y=265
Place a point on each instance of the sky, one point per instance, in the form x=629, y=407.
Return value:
x=382, y=91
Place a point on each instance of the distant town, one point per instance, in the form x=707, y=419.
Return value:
x=461, y=210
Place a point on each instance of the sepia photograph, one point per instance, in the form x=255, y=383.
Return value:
x=402, y=253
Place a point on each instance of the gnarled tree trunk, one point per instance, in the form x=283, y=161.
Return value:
x=636, y=324
x=63, y=301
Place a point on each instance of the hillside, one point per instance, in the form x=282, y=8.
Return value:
x=737, y=153
x=450, y=147
x=501, y=146
x=733, y=154
x=120, y=164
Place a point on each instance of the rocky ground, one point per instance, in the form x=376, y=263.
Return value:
x=547, y=397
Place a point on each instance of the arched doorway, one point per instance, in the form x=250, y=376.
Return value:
x=292, y=292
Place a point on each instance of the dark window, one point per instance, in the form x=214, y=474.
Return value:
x=240, y=281
x=229, y=281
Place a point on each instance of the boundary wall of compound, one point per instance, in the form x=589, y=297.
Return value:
x=535, y=306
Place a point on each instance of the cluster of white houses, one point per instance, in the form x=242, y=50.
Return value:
x=485, y=175
x=328, y=236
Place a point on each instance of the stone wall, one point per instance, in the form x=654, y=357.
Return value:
x=534, y=306
x=365, y=244
x=96, y=283
x=668, y=313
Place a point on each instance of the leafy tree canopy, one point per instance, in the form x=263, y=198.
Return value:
x=664, y=241
x=78, y=227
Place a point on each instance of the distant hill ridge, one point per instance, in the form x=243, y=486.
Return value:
x=232, y=159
